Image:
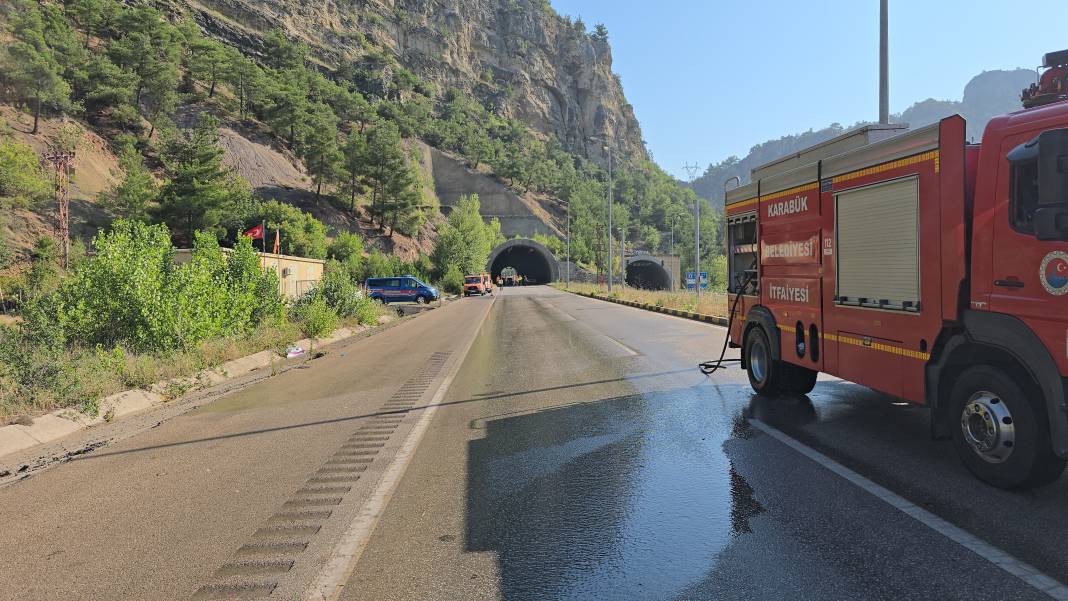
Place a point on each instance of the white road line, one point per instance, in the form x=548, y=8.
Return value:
x=999, y=558
x=626, y=349
x=343, y=559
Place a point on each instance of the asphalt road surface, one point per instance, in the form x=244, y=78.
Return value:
x=535, y=445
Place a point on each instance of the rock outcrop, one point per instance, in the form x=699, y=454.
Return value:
x=517, y=56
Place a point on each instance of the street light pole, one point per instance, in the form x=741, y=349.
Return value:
x=610, y=262
x=608, y=147
x=674, y=219
x=884, y=64
x=567, y=279
x=691, y=170
x=697, y=247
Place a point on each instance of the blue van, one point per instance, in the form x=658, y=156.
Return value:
x=405, y=288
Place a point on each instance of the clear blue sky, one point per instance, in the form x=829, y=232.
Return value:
x=711, y=78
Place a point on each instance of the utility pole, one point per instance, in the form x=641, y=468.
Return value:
x=622, y=258
x=691, y=171
x=61, y=159
x=884, y=63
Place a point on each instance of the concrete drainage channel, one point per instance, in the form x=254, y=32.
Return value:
x=256, y=568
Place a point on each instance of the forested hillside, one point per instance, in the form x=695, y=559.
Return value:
x=167, y=125
x=147, y=78
x=987, y=95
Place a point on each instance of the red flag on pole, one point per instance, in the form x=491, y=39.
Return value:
x=255, y=233
x=277, y=241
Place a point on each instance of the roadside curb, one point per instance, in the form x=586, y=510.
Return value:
x=64, y=422
x=702, y=317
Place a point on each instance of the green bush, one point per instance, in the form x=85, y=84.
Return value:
x=43, y=276
x=132, y=294
x=466, y=240
x=302, y=235
x=7, y=256
x=366, y=311
x=342, y=294
x=315, y=317
x=339, y=292
x=453, y=280
x=23, y=182
x=345, y=246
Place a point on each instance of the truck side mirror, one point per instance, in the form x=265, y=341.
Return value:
x=1053, y=168
x=1051, y=223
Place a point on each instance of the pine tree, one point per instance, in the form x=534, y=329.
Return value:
x=109, y=86
x=206, y=60
x=133, y=196
x=92, y=16
x=149, y=47
x=385, y=164
x=405, y=201
x=68, y=50
x=353, y=166
x=351, y=107
x=476, y=145
x=31, y=66
x=160, y=95
x=322, y=158
x=288, y=108
x=283, y=54
x=246, y=79
x=200, y=191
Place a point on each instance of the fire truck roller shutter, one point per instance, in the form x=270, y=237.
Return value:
x=878, y=252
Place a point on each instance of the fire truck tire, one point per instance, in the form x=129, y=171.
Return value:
x=1001, y=433
x=766, y=375
x=799, y=380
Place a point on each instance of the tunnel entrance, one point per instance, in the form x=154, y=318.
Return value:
x=648, y=275
x=530, y=259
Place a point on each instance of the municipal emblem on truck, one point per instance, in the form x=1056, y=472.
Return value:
x=1054, y=273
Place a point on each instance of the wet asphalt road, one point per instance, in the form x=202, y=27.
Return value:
x=577, y=454
x=580, y=455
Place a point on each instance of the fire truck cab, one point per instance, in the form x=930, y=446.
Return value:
x=923, y=267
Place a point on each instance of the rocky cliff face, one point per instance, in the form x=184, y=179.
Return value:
x=515, y=55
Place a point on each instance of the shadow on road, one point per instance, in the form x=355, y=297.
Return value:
x=326, y=422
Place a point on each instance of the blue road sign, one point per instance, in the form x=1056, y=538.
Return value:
x=691, y=280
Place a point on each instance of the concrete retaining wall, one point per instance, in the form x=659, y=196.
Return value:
x=452, y=179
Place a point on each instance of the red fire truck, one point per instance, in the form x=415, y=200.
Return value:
x=924, y=267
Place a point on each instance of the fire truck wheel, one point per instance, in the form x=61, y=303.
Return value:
x=799, y=380
x=1002, y=435
x=766, y=375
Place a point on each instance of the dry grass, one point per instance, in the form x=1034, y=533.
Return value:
x=91, y=374
x=712, y=303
